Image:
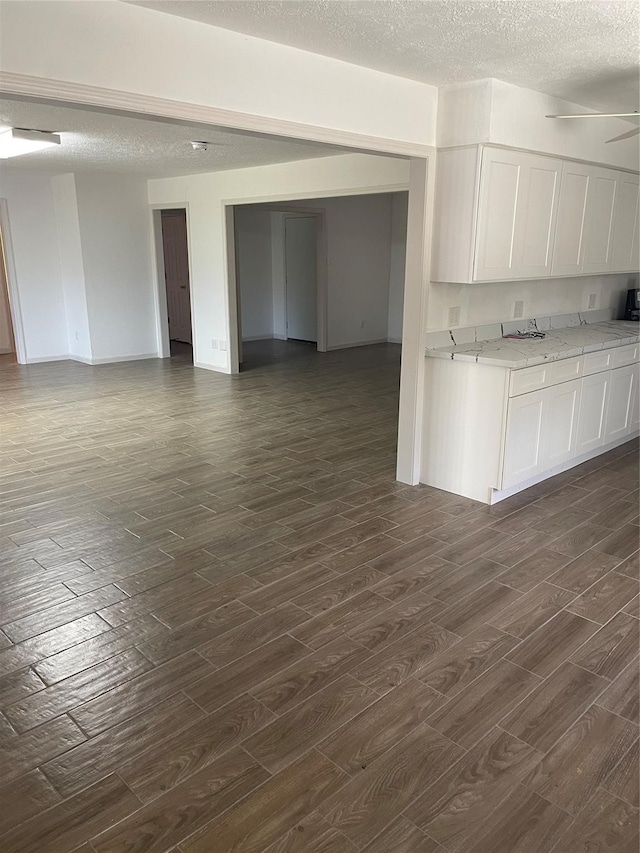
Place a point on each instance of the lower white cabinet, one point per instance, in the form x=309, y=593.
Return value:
x=619, y=408
x=523, y=448
x=492, y=431
x=593, y=410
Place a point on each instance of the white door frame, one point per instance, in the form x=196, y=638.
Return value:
x=12, y=284
x=157, y=267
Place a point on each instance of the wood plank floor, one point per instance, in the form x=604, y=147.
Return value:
x=225, y=628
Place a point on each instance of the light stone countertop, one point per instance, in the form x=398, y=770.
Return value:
x=557, y=344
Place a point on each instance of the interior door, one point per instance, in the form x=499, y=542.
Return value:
x=176, y=271
x=300, y=241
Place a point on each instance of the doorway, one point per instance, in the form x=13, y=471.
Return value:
x=175, y=256
x=300, y=278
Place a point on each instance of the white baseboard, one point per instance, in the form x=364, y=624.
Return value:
x=113, y=359
x=212, y=367
x=502, y=494
x=357, y=344
x=45, y=358
x=264, y=338
x=394, y=340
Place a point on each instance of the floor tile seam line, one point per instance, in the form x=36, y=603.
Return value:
x=615, y=713
x=602, y=788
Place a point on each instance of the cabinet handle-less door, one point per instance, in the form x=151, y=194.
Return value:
x=499, y=186
x=568, y=252
x=560, y=423
x=598, y=225
x=619, y=410
x=624, y=241
x=523, y=449
x=594, y=400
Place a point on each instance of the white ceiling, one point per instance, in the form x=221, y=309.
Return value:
x=581, y=50
x=99, y=141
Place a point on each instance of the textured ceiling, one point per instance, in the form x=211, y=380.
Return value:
x=584, y=51
x=101, y=141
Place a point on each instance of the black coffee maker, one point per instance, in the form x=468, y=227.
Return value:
x=632, y=310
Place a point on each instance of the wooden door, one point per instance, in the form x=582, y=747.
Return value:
x=300, y=239
x=176, y=272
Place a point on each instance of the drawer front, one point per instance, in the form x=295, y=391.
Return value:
x=597, y=362
x=625, y=355
x=565, y=370
x=528, y=379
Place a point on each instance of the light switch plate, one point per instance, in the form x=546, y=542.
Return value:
x=454, y=316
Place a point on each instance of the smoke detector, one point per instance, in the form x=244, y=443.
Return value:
x=199, y=146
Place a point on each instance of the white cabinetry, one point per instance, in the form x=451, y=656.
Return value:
x=503, y=214
x=492, y=431
x=624, y=242
x=516, y=215
x=593, y=408
x=619, y=409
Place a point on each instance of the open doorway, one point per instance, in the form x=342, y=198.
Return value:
x=301, y=278
x=175, y=258
x=7, y=339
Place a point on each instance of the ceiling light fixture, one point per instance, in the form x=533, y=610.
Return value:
x=19, y=140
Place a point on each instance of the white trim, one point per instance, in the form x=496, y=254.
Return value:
x=498, y=495
x=414, y=319
x=394, y=340
x=12, y=285
x=41, y=359
x=114, y=359
x=358, y=344
x=158, y=276
x=212, y=367
x=67, y=92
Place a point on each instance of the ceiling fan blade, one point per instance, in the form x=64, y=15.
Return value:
x=597, y=115
x=627, y=135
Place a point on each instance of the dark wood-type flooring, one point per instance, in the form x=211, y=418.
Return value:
x=225, y=628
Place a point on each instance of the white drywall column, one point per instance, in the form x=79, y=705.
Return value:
x=72, y=266
x=419, y=228
x=399, y=202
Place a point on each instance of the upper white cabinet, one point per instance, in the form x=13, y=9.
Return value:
x=625, y=256
x=503, y=215
x=516, y=215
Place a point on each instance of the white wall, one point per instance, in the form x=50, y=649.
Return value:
x=254, y=273
x=6, y=333
x=399, y=205
x=133, y=49
x=206, y=195
x=72, y=266
x=116, y=250
x=358, y=267
x=34, y=240
x=494, y=302
x=493, y=111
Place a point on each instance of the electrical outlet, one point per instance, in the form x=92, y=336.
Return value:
x=518, y=309
x=223, y=345
x=214, y=343
x=77, y=336
x=454, y=316
x=593, y=300
x=362, y=324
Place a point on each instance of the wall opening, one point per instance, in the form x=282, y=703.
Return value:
x=174, y=284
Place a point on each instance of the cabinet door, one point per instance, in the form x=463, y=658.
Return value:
x=560, y=423
x=568, y=251
x=499, y=182
x=523, y=448
x=536, y=216
x=619, y=408
x=598, y=224
x=593, y=409
x=624, y=240
x=635, y=400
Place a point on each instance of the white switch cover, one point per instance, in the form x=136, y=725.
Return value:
x=454, y=316
x=518, y=309
x=593, y=300
x=223, y=345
